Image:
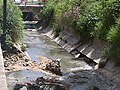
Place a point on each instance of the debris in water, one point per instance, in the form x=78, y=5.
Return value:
x=51, y=65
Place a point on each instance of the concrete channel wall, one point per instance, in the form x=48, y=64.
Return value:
x=3, y=84
x=70, y=41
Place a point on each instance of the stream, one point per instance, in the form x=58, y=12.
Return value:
x=40, y=45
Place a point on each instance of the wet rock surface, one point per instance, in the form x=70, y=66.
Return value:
x=79, y=80
x=89, y=80
x=41, y=84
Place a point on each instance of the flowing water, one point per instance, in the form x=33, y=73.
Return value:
x=40, y=45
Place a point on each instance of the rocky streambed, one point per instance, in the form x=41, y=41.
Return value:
x=25, y=74
x=18, y=63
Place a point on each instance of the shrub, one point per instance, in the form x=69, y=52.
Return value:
x=92, y=18
x=114, y=39
x=14, y=25
x=108, y=12
x=58, y=11
x=48, y=10
x=87, y=18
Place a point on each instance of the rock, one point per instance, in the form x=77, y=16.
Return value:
x=18, y=86
x=102, y=63
x=39, y=80
x=51, y=65
x=31, y=86
x=54, y=67
x=24, y=88
x=26, y=60
x=8, y=69
x=94, y=88
x=6, y=64
x=50, y=83
x=16, y=79
x=27, y=64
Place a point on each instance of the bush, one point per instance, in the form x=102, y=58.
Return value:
x=48, y=10
x=58, y=11
x=14, y=25
x=92, y=18
x=114, y=39
x=87, y=18
x=108, y=12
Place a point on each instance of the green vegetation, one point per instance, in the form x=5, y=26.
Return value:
x=92, y=18
x=114, y=39
x=14, y=26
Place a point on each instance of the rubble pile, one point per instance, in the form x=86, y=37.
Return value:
x=51, y=65
x=18, y=61
x=41, y=84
